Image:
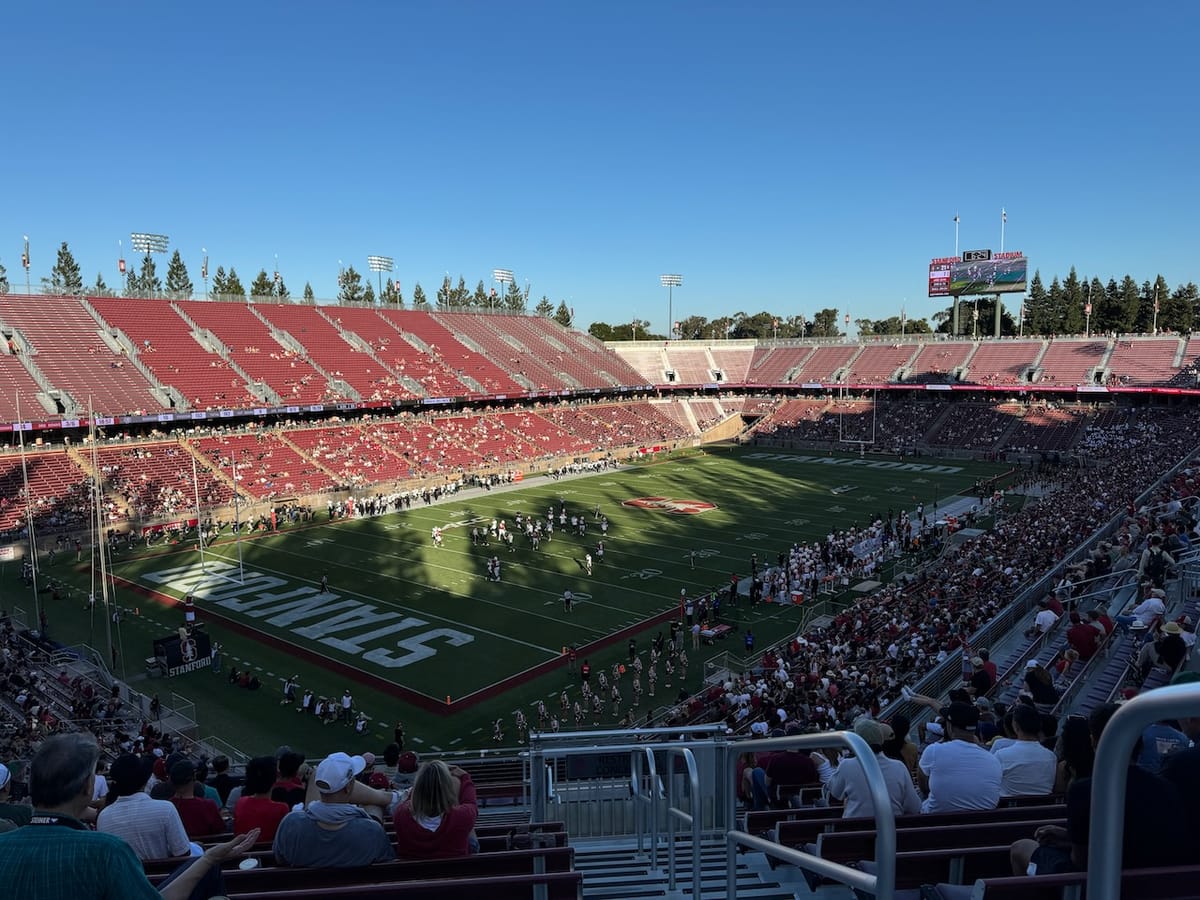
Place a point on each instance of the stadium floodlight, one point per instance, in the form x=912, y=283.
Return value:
x=380, y=264
x=501, y=276
x=670, y=282
x=147, y=243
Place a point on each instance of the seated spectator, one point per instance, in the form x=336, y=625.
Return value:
x=222, y=780
x=203, y=788
x=333, y=829
x=1168, y=650
x=1027, y=768
x=1076, y=753
x=1083, y=638
x=1039, y=685
x=1160, y=741
x=289, y=788
x=17, y=813
x=981, y=681
x=1155, y=832
x=958, y=773
x=787, y=771
x=255, y=808
x=200, y=816
x=899, y=746
x=849, y=782
x=58, y=857
x=437, y=821
x=1145, y=613
x=151, y=827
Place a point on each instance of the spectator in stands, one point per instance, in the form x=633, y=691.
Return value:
x=17, y=813
x=255, y=808
x=437, y=820
x=849, y=782
x=222, y=781
x=334, y=829
x=899, y=746
x=1169, y=650
x=786, y=772
x=1044, y=620
x=1160, y=741
x=200, y=815
x=1076, y=753
x=289, y=788
x=958, y=773
x=57, y=856
x=1083, y=638
x=1145, y=613
x=1101, y=621
x=1027, y=768
x=1039, y=685
x=988, y=665
x=1155, y=832
x=1155, y=563
x=980, y=682
x=151, y=827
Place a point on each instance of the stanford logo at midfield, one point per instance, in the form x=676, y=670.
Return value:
x=671, y=505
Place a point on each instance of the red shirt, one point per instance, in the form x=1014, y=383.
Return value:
x=200, y=816
x=990, y=668
x=258, y=812
x=1084, y=639
x=414, y=841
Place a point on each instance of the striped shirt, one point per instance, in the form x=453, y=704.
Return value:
x=151, y=827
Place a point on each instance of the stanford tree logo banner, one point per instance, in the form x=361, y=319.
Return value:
x=671, y=505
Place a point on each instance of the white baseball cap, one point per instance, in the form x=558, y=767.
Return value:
x=337, y=770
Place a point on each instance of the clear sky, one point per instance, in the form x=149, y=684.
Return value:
x=786, y=156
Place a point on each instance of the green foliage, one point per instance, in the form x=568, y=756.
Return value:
x=460, y=297
x=481, y=299
x=3, y=279
x=65, y=277
x=262, y=286
x=281, y=290
x=309, y=296
x=100, y=289
x=444, y=300
x=825, y=324
x=514, y=301
x=233, y=284
x=350, y=289
x=419, y=299
x=179, y=285
x=544, y=307
x=391, y=294
x=369, y=294
x=149, y=284
x=220, y=282
x=892, y=325
x=562, y=315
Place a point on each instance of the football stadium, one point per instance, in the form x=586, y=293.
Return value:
x=353, y=591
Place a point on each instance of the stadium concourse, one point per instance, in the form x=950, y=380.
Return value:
x=976, y=694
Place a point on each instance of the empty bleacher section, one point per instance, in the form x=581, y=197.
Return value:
x=1136, y=361
x=329, y=348
x=1002, y=362
x=937, y=361
x=825, y=362
x=773, y=365
x=649, y=361
x=16, y=382
x=1070, y=362
x=706, y=412
x=505, y=350
x=688, y=365
x=70, y=354
x=256, y=351
x=165, y=343
x=535, y=334
x=590, y=352
x=732, y=362
x=487, y=373
x=879, y=363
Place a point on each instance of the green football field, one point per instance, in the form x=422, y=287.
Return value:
x=419, y=634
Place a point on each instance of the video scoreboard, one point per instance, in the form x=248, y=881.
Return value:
x=978, y=272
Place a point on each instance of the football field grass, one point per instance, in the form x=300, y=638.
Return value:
x=419, y=633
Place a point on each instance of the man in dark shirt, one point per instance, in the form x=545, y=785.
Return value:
x=981, y=681
x=1156, y=822
x=1083, y=638
x=787, y=771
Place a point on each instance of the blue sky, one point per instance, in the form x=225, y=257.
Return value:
x=787, y=156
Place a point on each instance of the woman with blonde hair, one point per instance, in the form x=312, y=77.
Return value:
x=437, y=821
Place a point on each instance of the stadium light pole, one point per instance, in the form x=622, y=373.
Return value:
x=147, y=243
x=670, y=282
x=1087, y=312
x=204, y=270
x=381, y=264
x=501, y=276
x=1154, y=328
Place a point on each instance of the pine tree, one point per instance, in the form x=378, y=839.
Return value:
x=179, y=285
x=1073, y=300
x=1057, y=308
x=391, y=294
x=262, y=286
x=1098, y=297
x=149, y=283
x=480, y=298
x=419, y=299
x=544, y=307
x=514, y=301
x=562, y=315
x=350, y=289
x=100, y=288
x=460, y=297
x=1037, y=307
x=3, y=279
x=65, y=277
x=1131, y=303
x=309, y=296
x=233, y=284
x=444, y=299
x=369, y=294
x=220, y=282
x=280, y=289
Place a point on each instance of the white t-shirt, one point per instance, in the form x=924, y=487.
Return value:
x=849, y=784
x=1045, y=620
x=961, y=776
x=1027, y=769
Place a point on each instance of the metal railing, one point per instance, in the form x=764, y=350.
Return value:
x=1110, y=774
x=883, y=883
x=674, y=814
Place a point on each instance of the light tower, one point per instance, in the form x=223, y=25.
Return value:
x=147, y=244
x=381, y=264
x=502, y=277
x=670, y=282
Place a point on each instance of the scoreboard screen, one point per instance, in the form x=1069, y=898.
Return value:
x=940, y=271
x=1004, y=273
